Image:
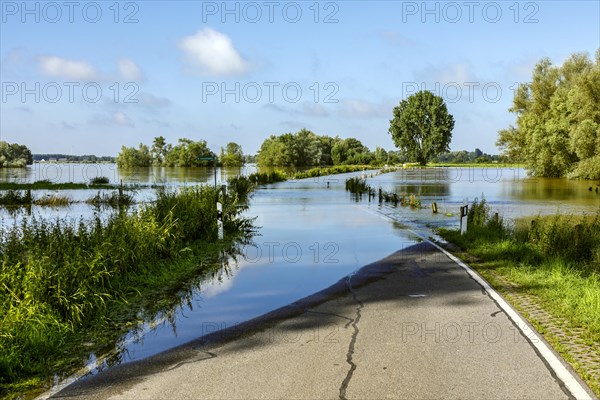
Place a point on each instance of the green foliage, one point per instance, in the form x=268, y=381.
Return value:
x=232, y=156
x=130, y=157
x=357, y=185
x=555, y=258
x=422, y=127
x=14, y=155
x=263, y=178
x=306, y=149
x=558, y=120
x=324, y=171
x=301, y=149
x=350, y=152
x=15, y=197
x=59, y=277
x=466, y=157
x=100, y=180
x=115, y=199
x=187, y=153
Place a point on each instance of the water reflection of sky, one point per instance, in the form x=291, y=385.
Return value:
x=310, y=237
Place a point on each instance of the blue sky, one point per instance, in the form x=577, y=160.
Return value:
x=88, y=77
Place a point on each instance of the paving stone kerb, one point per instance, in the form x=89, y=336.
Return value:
x=413, y=325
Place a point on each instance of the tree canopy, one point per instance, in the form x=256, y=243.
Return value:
x=186, y=153
x=232, y=156
x=307, y=149
x=422, y=127
x=557, y=130
x=14, y=155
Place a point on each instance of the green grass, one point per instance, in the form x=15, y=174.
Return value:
x=556, y=259
x=63, y=282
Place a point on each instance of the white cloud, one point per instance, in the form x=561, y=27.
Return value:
x=352, y=108
x=212, y=53
x=396, y=38
x=459, y=73
x=315, y=110
x=120, y=118
x=129, y=70
x=306, y=109
x=69, y=69
x=116, y=119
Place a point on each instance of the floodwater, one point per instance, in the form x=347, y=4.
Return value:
x=313, y=233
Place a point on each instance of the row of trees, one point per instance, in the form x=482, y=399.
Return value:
x=14, y=155
x=463, y=157
x=86, y=158
x=307, y=149
x=186, y=153
x=557, y=130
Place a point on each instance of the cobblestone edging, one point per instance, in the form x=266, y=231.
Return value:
x=582, y=353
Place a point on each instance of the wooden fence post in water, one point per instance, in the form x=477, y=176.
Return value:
x=380, y=196
x=434, y=207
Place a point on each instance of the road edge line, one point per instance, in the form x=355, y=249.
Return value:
x=566, y=376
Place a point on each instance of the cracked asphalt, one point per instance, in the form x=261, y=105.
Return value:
x=413, y=325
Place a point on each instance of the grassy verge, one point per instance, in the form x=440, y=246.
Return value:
x=62, y=283
x=556, y=260
x=324, y=171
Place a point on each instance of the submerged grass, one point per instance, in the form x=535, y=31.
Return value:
x=556, y=259
x=60, y=278
x=115, y=199
x=324, y=171
x=49, y=185
x=358, y=186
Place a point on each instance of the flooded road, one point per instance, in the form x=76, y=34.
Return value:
x=312, y=233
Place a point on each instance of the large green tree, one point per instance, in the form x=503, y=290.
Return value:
x=557, y=128
x=422, y=126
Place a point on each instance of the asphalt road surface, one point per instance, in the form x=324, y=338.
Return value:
x=415, y=325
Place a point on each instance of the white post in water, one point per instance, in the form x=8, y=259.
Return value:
x=220, y=219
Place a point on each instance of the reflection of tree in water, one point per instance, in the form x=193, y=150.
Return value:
x=164, y=308
x=425, y=189
x=544, y=189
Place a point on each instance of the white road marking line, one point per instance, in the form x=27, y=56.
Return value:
x=559, y=369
